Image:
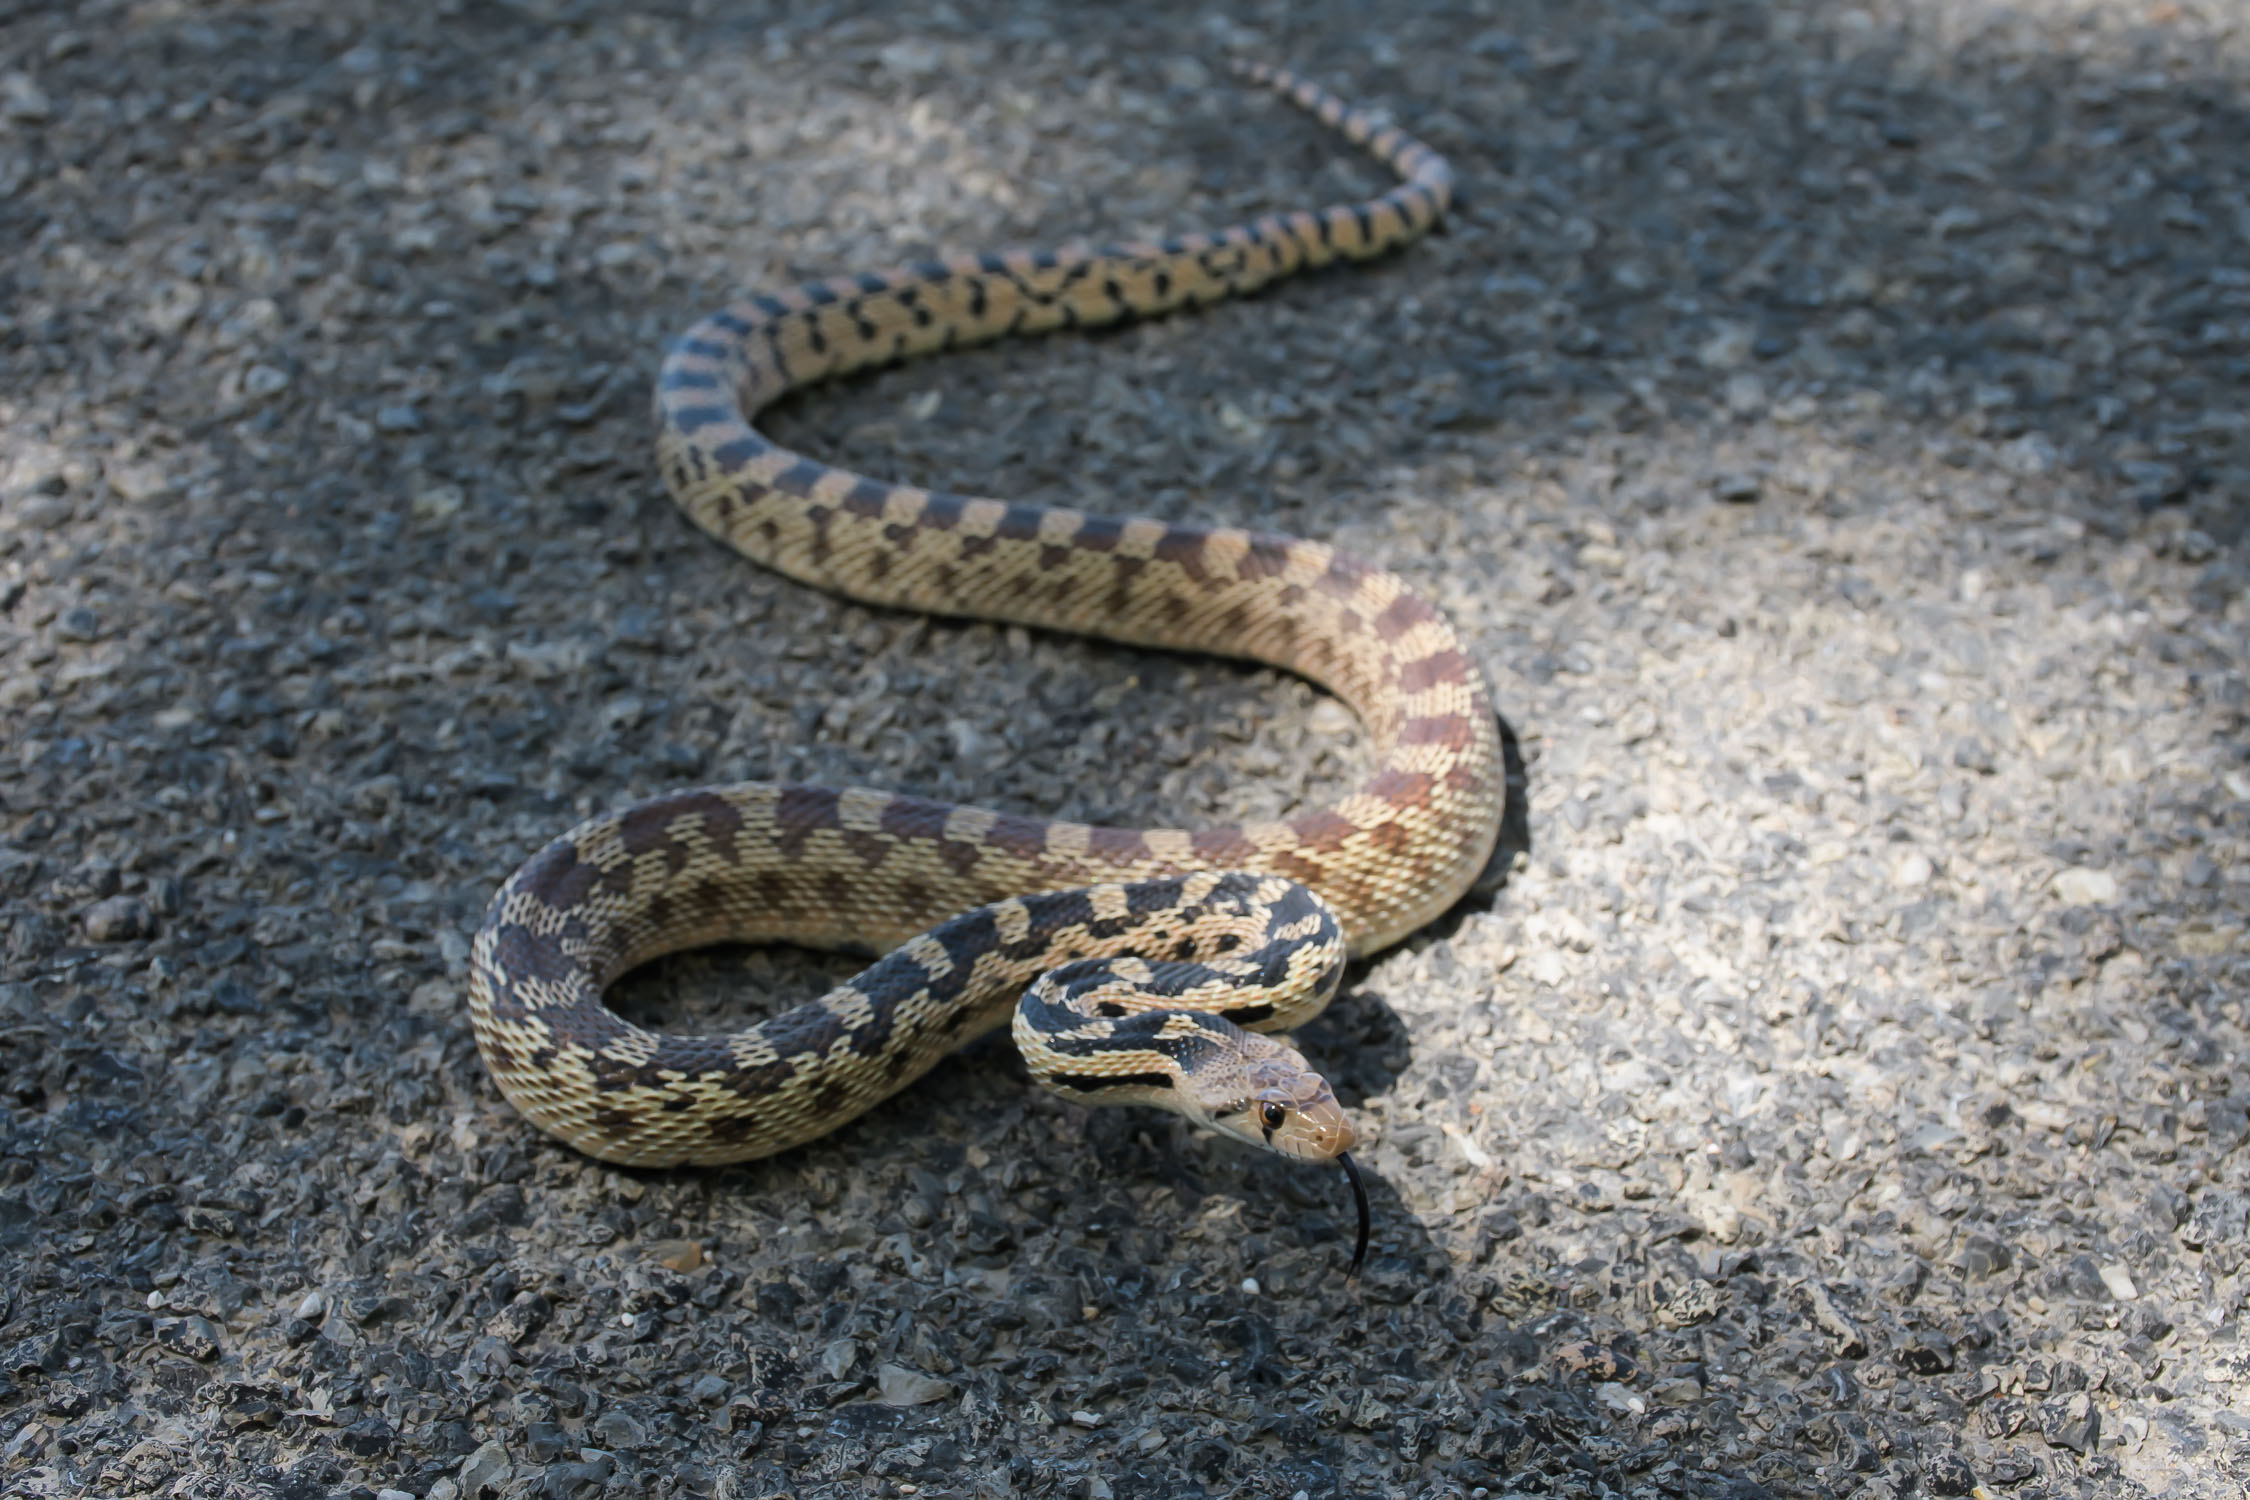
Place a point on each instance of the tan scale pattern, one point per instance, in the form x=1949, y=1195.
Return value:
x=867, y=870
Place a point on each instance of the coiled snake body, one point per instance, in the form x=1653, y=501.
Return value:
x=1154, y=956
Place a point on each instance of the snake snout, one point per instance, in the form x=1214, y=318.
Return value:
x=1297, y=1110
x=1275, y=1100
x=1316, y=1131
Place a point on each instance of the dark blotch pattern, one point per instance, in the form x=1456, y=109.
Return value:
x=558, y=928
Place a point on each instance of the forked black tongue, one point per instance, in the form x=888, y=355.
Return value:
x=1366, y=1220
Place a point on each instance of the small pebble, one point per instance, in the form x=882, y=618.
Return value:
x=2086, y=887
x=80, y=624
x=42, y=512
x=617, y=1431
x=2119, y=1281
x=194, y=1337
x=263, y=381
x=678, y=1255
x=487, y=1470
x=118, y=919
x=897, y=1385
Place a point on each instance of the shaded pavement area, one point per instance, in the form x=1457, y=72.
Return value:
x=1824, y=421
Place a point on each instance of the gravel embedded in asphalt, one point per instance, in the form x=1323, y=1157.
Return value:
x=1823, y=420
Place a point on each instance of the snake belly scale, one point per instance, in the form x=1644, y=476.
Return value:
x=1155, y=959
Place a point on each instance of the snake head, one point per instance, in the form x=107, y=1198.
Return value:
x=1273, y=1099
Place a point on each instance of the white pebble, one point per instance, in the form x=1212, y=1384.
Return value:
x=1330, y=718
x=2077, y=887
x=1250, y=1287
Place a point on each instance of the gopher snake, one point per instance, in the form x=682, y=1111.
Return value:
x=1147, y=951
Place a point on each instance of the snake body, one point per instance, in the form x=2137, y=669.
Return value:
x=1153, y=957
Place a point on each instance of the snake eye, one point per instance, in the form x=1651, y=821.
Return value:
x=1273, y=1115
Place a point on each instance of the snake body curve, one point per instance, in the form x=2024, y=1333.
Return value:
x=1156, y=945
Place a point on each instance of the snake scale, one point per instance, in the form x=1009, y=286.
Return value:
x=1136, y=964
